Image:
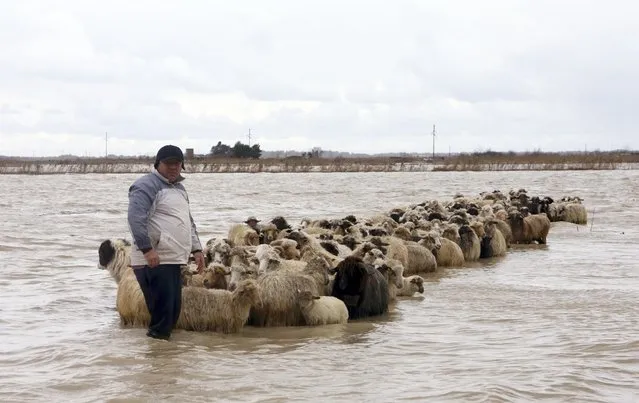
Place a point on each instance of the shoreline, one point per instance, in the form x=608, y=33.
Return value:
x=57, y=168
x=477, y=162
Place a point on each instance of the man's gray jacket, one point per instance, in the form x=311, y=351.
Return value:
x=160, y=218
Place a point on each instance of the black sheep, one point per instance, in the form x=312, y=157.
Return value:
x=281, y=223
x=363, y=288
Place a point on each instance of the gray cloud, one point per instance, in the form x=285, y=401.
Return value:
x=369, y=76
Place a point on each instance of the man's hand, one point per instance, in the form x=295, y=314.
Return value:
x=152, y=258
x=199, y=260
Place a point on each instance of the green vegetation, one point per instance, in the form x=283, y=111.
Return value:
x=239, y=150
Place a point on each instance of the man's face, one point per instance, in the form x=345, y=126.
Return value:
x=252, y=224
x=170, y=169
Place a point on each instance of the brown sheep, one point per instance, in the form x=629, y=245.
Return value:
x=213, y=276
x=493, y=243
x=529, y=229
x=403, y=233
x=446, y=252
x=469, y=243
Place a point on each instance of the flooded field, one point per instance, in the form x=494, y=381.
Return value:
x=557, y=323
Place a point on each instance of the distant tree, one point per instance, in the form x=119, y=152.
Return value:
x=221, y=150
x=316, y=152
x=241, y=150
x=255, y=151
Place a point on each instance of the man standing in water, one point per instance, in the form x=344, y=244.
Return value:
x=164, y=236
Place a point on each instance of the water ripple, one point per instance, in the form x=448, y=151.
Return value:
x=556, y=322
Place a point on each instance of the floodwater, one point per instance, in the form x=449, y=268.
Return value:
x=555, y=323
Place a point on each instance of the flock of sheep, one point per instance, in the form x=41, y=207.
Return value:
x=329, y=271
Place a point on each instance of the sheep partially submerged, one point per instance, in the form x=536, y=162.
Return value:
x=363, y=288
x=393, y=272
x=114, y=256
x=218, y=310
x=526, y=230
x=573, y=213
x=240, y=272
x=493, y=243
x=279, y=293
x=411, y=285
x=270, y=261
x=469, y=243
x=321, y=310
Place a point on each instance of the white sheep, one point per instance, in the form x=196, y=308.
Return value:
x=114, y=256
x=321, y=310
x=218, y=310
x=242, y=234
x=279, y=296
x=288, y=248
x=411, y=285
x=269, y=260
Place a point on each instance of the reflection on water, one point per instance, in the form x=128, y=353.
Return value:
x=556, y=321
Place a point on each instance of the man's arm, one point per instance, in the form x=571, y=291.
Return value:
x=141, y=199
x=196, y=246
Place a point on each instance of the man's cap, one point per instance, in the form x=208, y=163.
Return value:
x=251, y=218
x=169, y=152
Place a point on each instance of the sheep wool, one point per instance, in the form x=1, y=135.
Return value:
x=322, y=310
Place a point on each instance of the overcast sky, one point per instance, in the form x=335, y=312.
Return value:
x=359, y=76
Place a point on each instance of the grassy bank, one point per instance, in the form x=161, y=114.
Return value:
x=496, y=161
x=487, y=161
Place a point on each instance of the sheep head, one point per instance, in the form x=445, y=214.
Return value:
x=215, y=276
x=402, y=233
x=478, y=227
x=431, y=241
x=350, y=242
x=331, y=247
x=299, y=237
x=263, y=251
x=418, y=283
x=280, y=223
x=241, y=272
x=451, y=232
x=351, y=275
x=269, y=232
x=379, y=244
x=247, y=291
x=306, y=298
x=393, y=274
x=114, y=256
x=318, y=264
x=251, y=238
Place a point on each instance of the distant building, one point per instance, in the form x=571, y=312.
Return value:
x=189, y=153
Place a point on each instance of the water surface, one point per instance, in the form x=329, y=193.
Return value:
x=558, y=322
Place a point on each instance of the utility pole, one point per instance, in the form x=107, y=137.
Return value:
x=106, y=145
x=249, y=136
x=433, y=142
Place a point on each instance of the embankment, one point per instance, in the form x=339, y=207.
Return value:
x=30, y=166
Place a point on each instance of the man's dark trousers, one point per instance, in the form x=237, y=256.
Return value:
x=162, y=289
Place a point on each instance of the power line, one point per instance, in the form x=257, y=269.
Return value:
x=433, y=142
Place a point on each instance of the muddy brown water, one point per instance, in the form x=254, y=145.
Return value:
x=557, y=323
